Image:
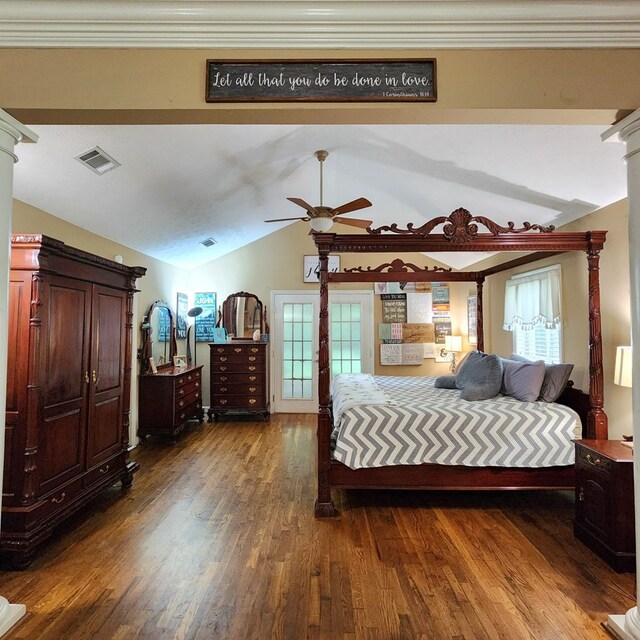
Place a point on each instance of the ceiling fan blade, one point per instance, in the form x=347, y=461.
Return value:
x=306, y=219
x=305, y=205
x=354, y=222
x=354, y=205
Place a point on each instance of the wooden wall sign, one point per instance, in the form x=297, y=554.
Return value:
x=403, y=80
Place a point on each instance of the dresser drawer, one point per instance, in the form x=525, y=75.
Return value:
x=247, y=388
x=235, y=358
x=241, y=350
x=187, y=389
x=189, y=411
x=184, y=401
x=60, y=498
x=101, y=472
x=590, y=461
x=187, y=378
x=237, y=367
x=238, y=378
x=237, y=401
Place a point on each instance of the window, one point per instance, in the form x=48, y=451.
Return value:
x=532, y=313
x=346, y=323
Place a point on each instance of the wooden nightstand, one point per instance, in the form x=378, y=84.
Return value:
x=604, y=501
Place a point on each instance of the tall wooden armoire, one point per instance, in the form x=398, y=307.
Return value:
x=68, y=386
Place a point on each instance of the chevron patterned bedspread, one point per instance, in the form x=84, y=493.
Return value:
x=411, y=422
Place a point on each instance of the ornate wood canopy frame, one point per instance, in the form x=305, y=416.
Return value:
x=460, y=232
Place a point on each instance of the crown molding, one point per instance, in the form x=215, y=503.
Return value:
x=311, y=24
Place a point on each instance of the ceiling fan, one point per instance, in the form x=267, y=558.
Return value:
x=322, y=218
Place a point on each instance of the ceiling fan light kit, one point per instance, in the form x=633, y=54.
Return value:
x=321, y=225
x=321, y=218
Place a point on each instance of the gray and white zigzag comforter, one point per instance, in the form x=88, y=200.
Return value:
x=405, y=420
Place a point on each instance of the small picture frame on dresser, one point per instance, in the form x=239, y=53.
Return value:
x=219, y=334
x=180, y=361
x=152, y=366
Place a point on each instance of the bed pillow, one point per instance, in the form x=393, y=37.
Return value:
x=555, y=380
x=445, y=382
x=522, y=380
x=481, y=376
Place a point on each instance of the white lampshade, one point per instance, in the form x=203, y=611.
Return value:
x=453, y=343
x=623, y=370
x=321, y=224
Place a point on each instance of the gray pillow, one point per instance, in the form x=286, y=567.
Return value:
x=481, y=376
x=445, y=382
x=555, y=380
x=522, y=380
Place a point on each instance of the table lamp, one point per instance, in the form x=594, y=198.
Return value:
x=452, y=345
x=192, y=313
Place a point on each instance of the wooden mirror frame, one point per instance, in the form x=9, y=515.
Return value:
x=147, y=339
x=228, y=320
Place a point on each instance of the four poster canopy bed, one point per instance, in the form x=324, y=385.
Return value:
x=496, y=466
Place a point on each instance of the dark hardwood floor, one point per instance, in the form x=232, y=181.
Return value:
x=217, y=539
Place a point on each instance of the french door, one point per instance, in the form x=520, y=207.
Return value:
x=294, y=349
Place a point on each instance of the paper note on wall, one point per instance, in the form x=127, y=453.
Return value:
x=419, y=307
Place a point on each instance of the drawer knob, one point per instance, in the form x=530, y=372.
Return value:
x=105, y=469
x=223, y=402
x=223, y=358
x=223, y=378
x=238, y=349
x=252, y=378
x=252, y=368
x=223, y=368
x=581, y=495
x=220, y=350
x=60, y=499
x=594, y=461
x=196, y=395
x=254, y=350
x=181, y=403
x=252, y=358
x=197, y=384
x=188, y=377
x=223, y=389
x=252, y=401
x=252, y=389
x=181, y=392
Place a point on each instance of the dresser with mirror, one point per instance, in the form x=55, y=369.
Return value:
x=170, y=391
x=239, y=366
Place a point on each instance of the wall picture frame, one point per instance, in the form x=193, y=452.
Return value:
x=311, y=267
x=219, y=334
x=182, y=304
x=472, y=319
x=180, y=361
x=205, y=323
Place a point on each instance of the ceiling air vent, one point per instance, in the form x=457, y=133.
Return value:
x=97, y=160
x=209, y=242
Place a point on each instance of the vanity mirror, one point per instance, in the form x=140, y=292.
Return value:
x=158, y=336
x=242, y=314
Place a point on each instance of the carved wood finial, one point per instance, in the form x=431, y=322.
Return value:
x=459, y=227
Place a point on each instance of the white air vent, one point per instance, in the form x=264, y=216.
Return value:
x=209, y=242
x=97, y=160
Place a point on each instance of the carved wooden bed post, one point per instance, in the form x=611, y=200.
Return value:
x=597, y=424
x=324, y=504
x=479, y=318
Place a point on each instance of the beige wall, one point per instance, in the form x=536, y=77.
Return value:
x=500, y=86
x=615, y=305
x=162, y=281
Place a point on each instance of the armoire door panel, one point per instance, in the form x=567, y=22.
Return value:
x=17, y=300
x=67, y=330
x=108, y=313
x=61, y=449
x=106, y=436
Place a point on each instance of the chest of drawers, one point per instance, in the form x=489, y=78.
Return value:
x=239, y=378
x=168, y=399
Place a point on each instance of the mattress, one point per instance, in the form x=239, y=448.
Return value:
x=400, y=420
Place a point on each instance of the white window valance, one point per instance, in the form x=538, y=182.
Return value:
x=533, y=298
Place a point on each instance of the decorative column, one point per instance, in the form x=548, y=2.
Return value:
x=11, y=132
x=627, y=626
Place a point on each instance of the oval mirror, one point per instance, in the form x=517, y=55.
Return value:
x=242, y=314
x=158, y=336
